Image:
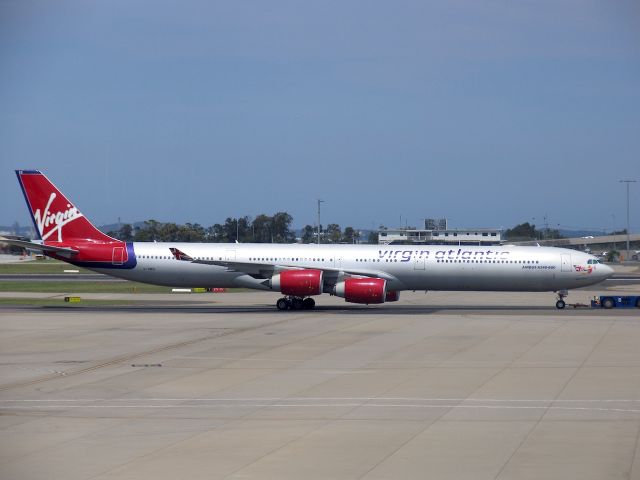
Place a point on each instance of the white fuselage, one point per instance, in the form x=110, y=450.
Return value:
x=422, y=267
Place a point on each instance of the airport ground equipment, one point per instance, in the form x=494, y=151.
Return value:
x=616, y=301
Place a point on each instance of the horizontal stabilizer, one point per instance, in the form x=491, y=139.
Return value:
x=38, y=246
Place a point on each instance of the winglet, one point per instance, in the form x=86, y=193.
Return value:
x=179, y=255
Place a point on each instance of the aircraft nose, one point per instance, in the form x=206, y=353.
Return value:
x=605, y=271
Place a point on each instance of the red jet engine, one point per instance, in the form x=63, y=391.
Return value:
x=362, y=290
x=298, y=283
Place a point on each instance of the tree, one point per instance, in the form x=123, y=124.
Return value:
x=124, y=233
x=168, y=232
x=244, y=229
x=521, y=231
x=349, y=235
x=262, y=227
x=308, y=234
x=214, y=233
x=334, y=234
x=281, y=224
x=153, y=230
x=239, y=229
x=191, y=233
x=149, y=232
x=229, y=230
x=373, y=238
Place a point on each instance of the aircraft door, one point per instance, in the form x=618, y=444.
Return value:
x=418, y=261
x=565, y=262
x=118, y=256
x=230, y=255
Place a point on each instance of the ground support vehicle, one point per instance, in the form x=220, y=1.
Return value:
x=616, y=301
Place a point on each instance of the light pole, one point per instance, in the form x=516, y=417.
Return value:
x=627, y=182
x=319, y=202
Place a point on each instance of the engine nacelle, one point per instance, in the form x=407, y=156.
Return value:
x=362, y=290
x=299, y=283
x=392, y=296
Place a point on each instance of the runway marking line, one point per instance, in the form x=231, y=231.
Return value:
x=337, y=405
x=338, y=402
x=280, y=399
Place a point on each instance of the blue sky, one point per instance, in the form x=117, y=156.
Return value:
x=489, y=113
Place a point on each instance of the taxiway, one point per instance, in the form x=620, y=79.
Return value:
x=447, y=385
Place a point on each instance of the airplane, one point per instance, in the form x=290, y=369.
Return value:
x=363, y=274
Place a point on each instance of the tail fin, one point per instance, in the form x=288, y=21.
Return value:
x=56, y=219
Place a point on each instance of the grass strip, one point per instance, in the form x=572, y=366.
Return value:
x=93, y=287
x=34, y=267
x=59, y=302
x=80, y=287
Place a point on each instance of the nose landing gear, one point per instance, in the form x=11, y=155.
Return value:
x=295, y=303
x=560, y=304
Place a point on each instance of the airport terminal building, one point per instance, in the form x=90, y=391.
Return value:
x=436, y=231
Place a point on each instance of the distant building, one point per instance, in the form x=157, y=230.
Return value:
x=435, y=223
x=436, y=231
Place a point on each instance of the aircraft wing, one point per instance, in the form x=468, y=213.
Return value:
x=39, y=246
x=250, y=268
x=267, y=270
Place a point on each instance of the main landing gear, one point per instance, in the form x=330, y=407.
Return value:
x=560, y=304
x=295, y=303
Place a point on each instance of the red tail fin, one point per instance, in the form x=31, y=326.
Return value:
x=54, y=216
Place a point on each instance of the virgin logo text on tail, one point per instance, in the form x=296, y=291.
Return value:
x=55, y=220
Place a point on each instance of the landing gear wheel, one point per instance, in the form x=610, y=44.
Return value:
x=608, y=303
x=297, y=304
x=308, y=303
x=282, y=304
x=560, y=304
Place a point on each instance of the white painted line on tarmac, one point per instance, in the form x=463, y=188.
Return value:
x=589, y=405
x=331, y=405
x=302, y=399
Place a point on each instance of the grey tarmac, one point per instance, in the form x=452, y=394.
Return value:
x=223, y=386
